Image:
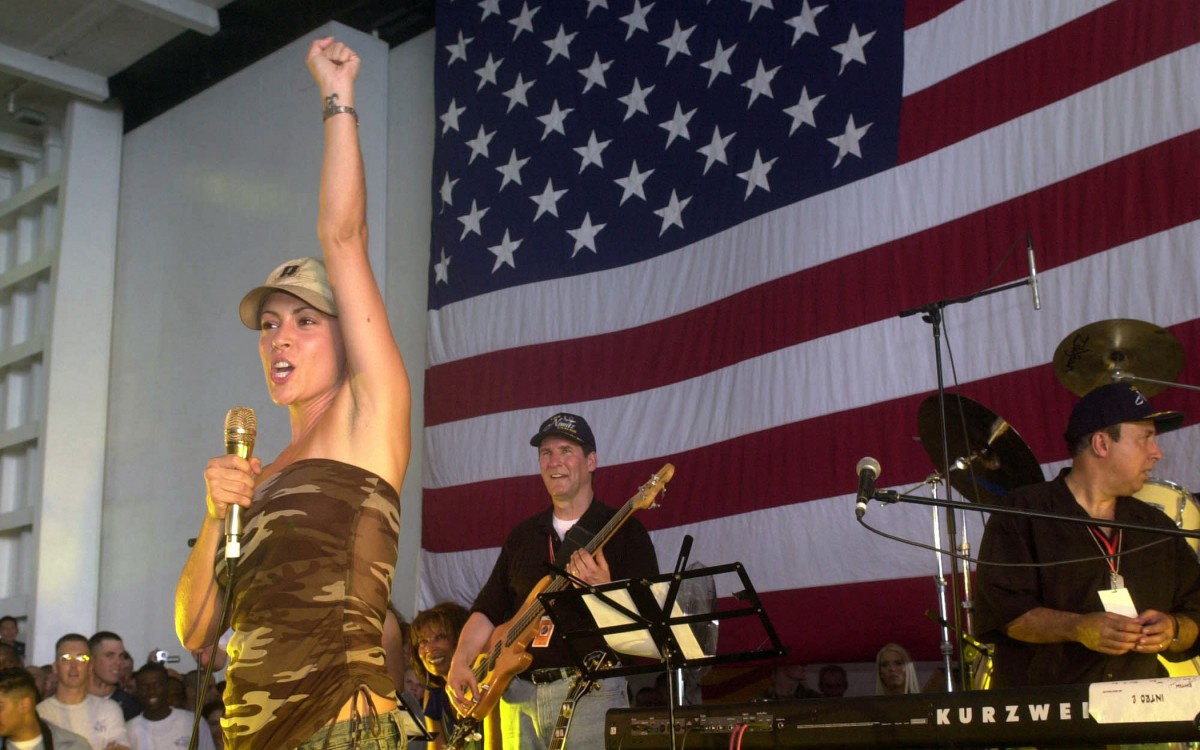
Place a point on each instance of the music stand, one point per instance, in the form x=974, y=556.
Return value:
x=653, y=628
x=412, y=723
x=644, y=611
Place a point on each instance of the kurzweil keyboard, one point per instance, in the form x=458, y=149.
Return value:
x=1105, y=713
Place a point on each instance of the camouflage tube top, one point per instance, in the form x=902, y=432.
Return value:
x=318, y=553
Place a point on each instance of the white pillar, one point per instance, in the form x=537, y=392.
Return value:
x=79, y=341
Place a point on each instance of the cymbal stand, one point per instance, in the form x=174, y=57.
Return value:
x=947, y=648
x=932, y=314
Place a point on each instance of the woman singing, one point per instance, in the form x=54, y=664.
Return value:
x=321, y=521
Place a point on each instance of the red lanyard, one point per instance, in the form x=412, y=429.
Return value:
x=1111, y=548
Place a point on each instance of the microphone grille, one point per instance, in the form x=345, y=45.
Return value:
x=866, y=462
x=241, y=421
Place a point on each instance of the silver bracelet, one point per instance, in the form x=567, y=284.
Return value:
x=332, y=108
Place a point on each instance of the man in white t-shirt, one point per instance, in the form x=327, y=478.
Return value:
x=99, y=720
x=159, y=726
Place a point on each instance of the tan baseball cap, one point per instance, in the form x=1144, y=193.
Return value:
x=304, y=278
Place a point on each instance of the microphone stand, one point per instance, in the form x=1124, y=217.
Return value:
x=892, y=496
x=932, y=314
x=1120, y=376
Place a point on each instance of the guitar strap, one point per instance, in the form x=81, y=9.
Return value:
x=577, y=537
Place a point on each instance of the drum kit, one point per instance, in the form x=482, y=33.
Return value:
x=989, y=458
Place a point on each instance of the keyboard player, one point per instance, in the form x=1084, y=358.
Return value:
x=1051, y=624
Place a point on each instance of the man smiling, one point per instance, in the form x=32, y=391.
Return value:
x=160, y=725
x=97, y=719
x=566, y=458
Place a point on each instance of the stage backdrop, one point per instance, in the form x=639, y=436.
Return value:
x=696, y=224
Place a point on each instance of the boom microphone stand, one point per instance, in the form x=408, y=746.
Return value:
x=932, y=314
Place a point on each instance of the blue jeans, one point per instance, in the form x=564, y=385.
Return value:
x=364, y=733
x=529, y=712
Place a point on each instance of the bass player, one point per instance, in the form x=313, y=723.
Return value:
x=557, y=535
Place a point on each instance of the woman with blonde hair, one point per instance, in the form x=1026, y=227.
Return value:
x=894, y=671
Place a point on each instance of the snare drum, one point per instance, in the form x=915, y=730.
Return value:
x=1172, y=499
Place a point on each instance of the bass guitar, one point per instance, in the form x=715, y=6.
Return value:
x=507, y=653
x=579, y=688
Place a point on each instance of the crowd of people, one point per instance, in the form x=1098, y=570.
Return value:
x=91, y=697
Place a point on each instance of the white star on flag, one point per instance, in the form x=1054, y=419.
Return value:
x=585, y=235
x=524, y=20
x=553, y=120
x=854, y=48
x=672, y=213
x=847, y=142
x=504, y=252
x=677, y=126
x=449, y=118
x=676, y=44
x=803, y=111
x=632, y=184
x=489, y=8
x=635, y=100
x=547, y=200
x=715, y=150
x=441, y=269
x=516, y=95
x=458, y=50
x=479, y=144
x=512, y=171
x=756, y=4
x=719, y=62
x=471, y=220
x=756, y=175
x=761, y=83
x=806, y=22
x=591, y=153
x=636, y=18
x=560, y=45
x=594, y=73
x=487, y=73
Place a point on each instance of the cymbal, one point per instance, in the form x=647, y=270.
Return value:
x=1087, y=358
x=988, y=460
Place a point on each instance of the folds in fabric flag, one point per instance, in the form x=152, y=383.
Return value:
x=695, y=223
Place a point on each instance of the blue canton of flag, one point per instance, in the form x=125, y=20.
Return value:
x=581, y=135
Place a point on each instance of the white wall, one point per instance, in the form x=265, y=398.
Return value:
x=214, y=194
x=411, y=132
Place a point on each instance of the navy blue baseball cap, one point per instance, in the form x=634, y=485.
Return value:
x=1112, y=404
x=570, y=426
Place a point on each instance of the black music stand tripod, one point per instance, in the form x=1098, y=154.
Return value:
x=641, y=618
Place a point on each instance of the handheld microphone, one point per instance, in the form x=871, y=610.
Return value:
x=241, y=427
x=1037, y=299
x=868, y=470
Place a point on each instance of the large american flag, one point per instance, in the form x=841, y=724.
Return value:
x=695, y=223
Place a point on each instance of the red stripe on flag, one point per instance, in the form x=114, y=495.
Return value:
x=1080, y=54
x=847, y=623
x=1102, y=208
x=917, y=12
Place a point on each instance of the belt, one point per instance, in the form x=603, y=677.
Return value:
x=547, y=675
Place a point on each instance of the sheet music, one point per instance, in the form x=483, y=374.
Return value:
x=639, y=642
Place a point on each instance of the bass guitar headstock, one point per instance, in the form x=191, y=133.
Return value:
x=648, y=492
